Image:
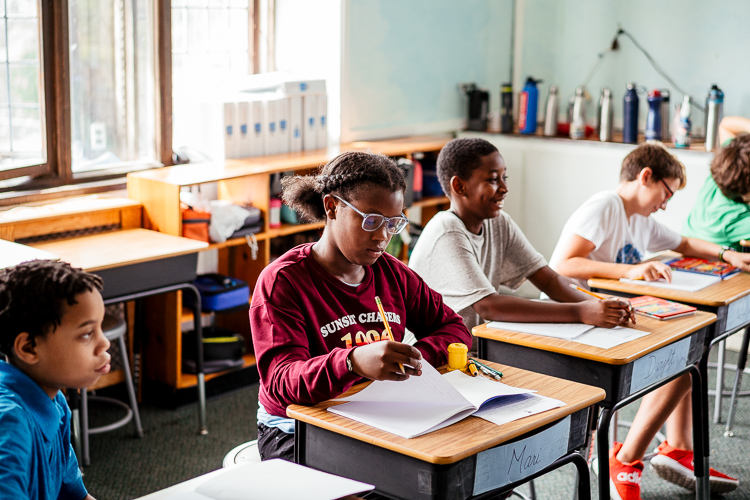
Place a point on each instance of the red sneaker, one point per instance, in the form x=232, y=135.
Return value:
x=624, y=479
x=676, y=466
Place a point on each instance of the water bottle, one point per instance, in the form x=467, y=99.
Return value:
x=664, y=114
x=630, y=115
x=550, y=116
x=606, y=115
x=578, y=125
x=506, y=108
x=653, y=118
x=714, y=113
x=682, y=131
x=527, y=107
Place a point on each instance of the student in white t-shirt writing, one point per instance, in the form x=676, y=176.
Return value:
x=607, y=237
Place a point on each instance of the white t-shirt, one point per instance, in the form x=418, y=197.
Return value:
x=602, y=221
x=465, y=267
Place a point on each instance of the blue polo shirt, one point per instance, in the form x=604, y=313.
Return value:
x=36, y=458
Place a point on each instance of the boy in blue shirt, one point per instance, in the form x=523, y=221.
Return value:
x=51, y=333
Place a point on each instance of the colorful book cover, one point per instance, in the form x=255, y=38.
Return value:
x=655, y=307
x=703, y=266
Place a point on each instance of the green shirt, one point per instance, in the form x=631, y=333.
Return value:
x=718, y=219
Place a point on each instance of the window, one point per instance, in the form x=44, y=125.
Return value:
x=21, y=98
x=104, y=70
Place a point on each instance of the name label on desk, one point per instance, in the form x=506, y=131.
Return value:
x=659, y=364
x=512, y=462
x=738, y=313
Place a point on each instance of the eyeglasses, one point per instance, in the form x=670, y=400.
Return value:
x=671, y=193
x=372, y=222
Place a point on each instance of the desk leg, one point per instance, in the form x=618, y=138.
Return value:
x=741, y=362
x=202, y=428
x=702, y=487
x=719, y=381
x=602, y=450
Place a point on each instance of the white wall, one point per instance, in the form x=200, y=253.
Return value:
x=403, y=62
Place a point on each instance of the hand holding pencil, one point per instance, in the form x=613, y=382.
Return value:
x=605, y=312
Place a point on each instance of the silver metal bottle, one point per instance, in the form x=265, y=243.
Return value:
x=550, y=115
x=714, y=114
x=606, y=116
x=665, y=121
x=578, y=124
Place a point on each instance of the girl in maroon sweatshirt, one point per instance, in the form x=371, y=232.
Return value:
x=315, y=324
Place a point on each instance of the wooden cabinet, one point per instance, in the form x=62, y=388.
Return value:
x=241, y=181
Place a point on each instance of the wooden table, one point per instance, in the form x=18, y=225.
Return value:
x=625, y=372
x=138, y=263
x=473, y=457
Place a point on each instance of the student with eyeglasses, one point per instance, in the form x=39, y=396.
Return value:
x=607, y=237
x=315, y=322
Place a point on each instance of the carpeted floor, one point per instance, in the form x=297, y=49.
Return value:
x=124, y=467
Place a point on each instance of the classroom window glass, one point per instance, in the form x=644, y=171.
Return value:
x=112, y=83
x=22, y=141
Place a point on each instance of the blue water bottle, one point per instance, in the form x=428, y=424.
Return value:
x=630, y=116
x=653, y=118
x=527, y=107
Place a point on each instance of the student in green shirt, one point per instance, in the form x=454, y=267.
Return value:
x=721, y=213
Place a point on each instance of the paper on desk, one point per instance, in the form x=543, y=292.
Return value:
x=681, y=280
x=502, y=411
x=567, y=331
x=606, y=338
x=421, y=404
x=274, y=480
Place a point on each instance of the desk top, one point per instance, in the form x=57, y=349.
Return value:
x=15, y=253
x=717, y=295
x=467, y=437
x=662, y=333
x=120, y=248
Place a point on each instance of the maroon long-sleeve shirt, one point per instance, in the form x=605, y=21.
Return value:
x=304, y=321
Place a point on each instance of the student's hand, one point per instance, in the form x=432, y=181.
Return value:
x=652, y=270
x=606, y=313
x=379, y=360
x=738, y=260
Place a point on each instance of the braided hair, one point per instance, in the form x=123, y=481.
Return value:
x=346, y=176
x=33, y=296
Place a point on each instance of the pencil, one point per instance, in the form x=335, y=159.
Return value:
x=387, y=326
x=576, y=287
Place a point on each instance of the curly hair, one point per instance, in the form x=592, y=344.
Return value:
x=460, y=157
x=730, y=168
x=345, y=176
x=654, y=155
x=33, y=297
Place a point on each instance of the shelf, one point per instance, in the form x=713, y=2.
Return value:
x=430, y=202
x=287, y=229
x=190, y=380
x=239, y=241
x=187, y=314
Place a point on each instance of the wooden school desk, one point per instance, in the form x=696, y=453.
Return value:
x=626, y=372
x=729, y=300
x=15, y=253
x=471, y=458
x=138, y=263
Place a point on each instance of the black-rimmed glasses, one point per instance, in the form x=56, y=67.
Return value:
x=371, y=222
x=671, y=193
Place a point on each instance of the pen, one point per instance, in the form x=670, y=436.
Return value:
x=487, y=370
x=387, y=326
x=576, y=287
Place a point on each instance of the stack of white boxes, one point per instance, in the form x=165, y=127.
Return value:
x=288, y=117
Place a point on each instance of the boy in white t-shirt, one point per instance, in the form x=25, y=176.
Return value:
x=607, y=237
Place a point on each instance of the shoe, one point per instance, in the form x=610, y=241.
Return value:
x=624, y=479
x=676, y=466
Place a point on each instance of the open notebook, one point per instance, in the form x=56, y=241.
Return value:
x=603, y=338
x=681, y=280
x=272, y=480
x=422, y=404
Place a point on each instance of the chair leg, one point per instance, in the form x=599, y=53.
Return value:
x=741, y=362
x=131, y=387
x=719, y=381
x=85, y=427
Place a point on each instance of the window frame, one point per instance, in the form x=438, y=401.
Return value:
x=55, y=178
